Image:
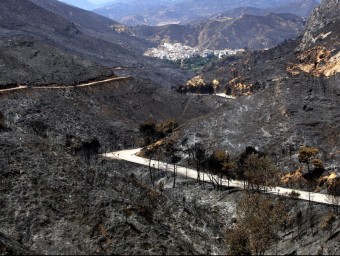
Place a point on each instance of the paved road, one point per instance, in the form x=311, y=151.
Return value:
x=130, y=156
x=64, y=87
x=84, y=84
x=223, y=95
x=15, y=88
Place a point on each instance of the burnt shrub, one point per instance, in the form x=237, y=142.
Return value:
x=2, y=122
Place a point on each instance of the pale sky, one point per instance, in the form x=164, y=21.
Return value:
x=99, y=1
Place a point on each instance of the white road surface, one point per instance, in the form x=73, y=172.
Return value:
x=14, y=89
x=130, y=156
x=65, y=87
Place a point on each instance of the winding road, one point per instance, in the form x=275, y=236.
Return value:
x=21, y=87
x=130, y=156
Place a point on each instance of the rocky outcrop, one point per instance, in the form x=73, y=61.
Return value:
x=326, y=13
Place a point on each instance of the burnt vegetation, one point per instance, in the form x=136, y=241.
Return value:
x=60, y=194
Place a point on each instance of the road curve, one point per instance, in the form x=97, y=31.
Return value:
x=130, y=156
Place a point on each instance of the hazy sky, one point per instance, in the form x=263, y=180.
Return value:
x=84, y=3
x=99, y=1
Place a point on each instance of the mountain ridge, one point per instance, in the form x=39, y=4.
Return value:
x=247, y=31
x=163, y=12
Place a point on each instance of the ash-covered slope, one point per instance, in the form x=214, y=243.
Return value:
x=59, y=197
x=28, y=61
x=111, y=44
x=29, y=52
x=293, y=95
x=95, y=25
x=54, y=189
x=59, y=32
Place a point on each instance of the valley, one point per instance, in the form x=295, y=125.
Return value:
x=123, y=139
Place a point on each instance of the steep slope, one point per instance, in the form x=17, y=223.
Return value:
x=292, y=96
x=30, y=52
x=60, y=33
x=54, y=188
x=28, y=61
x=106, y=42
x=95, y=25
x=322, y=17
x=84, y=39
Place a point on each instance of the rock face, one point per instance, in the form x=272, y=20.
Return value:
x=322, y=16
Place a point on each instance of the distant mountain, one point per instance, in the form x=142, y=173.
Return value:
x=84, y=4
x=301, y=8
x=88, y=5
x=250, y=31
x=169, y=12
x=246, y=31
